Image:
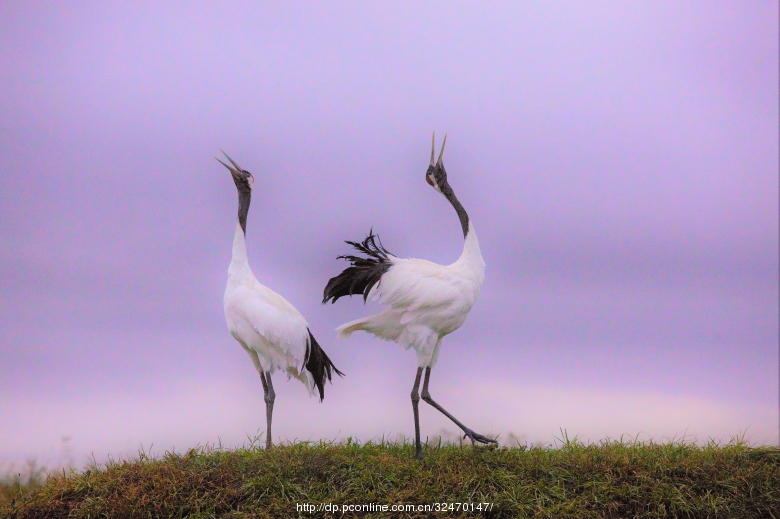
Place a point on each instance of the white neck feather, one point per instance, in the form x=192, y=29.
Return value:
x=471, y=257
x=239, y=264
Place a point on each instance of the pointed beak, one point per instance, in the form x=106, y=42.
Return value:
x=236, y=171
x=433, y=139
x=438, y=162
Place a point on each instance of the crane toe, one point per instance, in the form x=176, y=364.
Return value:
x=476, y=437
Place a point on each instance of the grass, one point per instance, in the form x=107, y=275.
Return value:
x=610, y=479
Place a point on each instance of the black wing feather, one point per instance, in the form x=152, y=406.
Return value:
x=364, y=273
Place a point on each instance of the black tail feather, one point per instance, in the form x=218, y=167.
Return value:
x=364, y=273
x=319, y=365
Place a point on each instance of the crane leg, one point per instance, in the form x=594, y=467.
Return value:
x=468, y=432
x=415, y=403
x=270, y=396
x=268, y=391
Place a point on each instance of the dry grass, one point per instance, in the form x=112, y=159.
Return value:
x=609, y=479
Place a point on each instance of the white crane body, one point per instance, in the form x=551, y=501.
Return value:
x=263, y=321
x=425, y=301
x=272, y=332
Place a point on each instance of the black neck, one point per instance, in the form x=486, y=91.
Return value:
x=447, y=191
x=244, y=197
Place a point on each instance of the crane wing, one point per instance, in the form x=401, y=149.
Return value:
x=416, y=287
x=275, y=321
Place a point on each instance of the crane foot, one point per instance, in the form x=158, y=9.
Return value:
x=475, y=437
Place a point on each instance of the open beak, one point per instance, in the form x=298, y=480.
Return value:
x=438, y=163
x=433, y=149
x=236, y=172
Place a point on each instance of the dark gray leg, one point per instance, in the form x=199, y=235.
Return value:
x=415, y=401
x=427, y=397
x=265, y=384
x=270, y=396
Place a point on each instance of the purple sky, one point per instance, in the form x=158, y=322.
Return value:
x=619, y=161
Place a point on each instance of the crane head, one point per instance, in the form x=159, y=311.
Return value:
x=243, y=179
x=436, y=176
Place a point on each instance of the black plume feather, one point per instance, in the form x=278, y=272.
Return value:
x=319, y=365
x=364, y=273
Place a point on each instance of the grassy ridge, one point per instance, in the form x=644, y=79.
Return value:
x=610, y=479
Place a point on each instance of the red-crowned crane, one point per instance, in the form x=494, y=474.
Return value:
x=425, y=301
x=271, y=330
